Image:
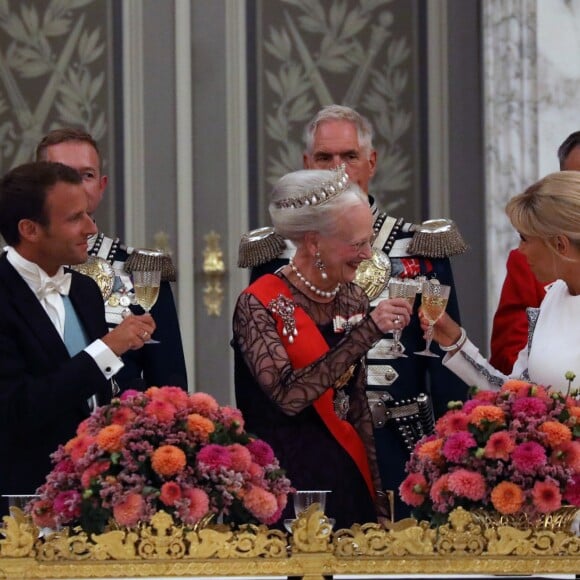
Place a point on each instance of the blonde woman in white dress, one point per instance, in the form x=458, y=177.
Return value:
x=547, y=218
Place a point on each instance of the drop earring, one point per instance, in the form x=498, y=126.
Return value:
x=320, y=265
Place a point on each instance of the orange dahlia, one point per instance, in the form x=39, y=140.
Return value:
x=168, y=460
x=431, y=450
x=109, y=437
x=507, y=497
x=200, y=426
x=489, y=413
x=556, y=433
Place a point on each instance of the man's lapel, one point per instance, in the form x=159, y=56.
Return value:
x=31, y=312
x=90, y=314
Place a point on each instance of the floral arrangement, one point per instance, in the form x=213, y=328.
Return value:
x=515, y=451
x=161, y=450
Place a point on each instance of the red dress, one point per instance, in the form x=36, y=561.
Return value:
x=510, y=324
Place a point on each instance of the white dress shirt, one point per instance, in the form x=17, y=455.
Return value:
x=48, y=290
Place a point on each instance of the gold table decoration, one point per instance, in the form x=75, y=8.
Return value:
x=312, y=551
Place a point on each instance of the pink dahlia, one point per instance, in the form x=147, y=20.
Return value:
x=67, y=504
x=451, y=422
x=546, y=496
x=170, y=493
x=457, y=446
x=93, y=471
x=43, y=514
x=413, y=489
x=465, y=483
x=261, y=503
x=499, y=446
x=528, y=457
x=241, y=458
x=129, y=393
x=163, y=411
x=196, y=505
x=572, y=491
x=569, y=454
x=530, y=406
x=203, y=404
x=261, y=452
x=129, y=511
x=214, y=456
x=439, y=488
x=232, y=417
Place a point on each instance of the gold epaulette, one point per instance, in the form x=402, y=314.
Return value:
x=143, y=261
x=438, y=238
x=259, y=247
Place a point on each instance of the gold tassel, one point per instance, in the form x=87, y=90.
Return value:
x=438, y=238
x=259, y=247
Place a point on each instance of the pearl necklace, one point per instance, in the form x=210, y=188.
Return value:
x=311, y=286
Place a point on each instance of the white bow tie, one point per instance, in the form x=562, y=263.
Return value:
x=59, y=284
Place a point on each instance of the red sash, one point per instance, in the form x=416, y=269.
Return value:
x=308, y=346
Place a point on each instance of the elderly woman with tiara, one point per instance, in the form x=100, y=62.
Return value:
x=547, y=218
x=300, y=336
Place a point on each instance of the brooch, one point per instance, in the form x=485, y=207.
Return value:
x=284, y=308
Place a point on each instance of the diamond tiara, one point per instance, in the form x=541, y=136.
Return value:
x=321, y=194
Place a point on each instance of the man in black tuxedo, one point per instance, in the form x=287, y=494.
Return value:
x=157, y=364
x=57, y=357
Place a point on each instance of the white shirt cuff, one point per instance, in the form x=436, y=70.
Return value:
x=109, y=363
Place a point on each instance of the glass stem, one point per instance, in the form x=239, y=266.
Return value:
x=429, y=337
x=397, y=339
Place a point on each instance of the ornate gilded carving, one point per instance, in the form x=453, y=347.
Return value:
x=214, y=270
x=312, y=550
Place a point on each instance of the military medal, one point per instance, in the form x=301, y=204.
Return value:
x=373, y=275
x=100, y=271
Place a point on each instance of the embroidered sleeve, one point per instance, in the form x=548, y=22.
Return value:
x=292, y=390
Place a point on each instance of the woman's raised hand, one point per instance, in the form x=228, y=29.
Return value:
x=445, y=331
x=392, y=314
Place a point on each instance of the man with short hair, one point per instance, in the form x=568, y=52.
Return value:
x=56, y=356
x=337, y=135
x=157, y=364
x=521, y=289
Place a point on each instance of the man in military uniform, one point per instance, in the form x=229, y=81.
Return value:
x=403, y=393
x=110, y=265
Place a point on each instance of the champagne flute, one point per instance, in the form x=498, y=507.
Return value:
x=433, y=302
x=400, y=289
x=147, y=282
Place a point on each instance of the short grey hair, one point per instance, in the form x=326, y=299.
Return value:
x=363, y=126
x=293, y=223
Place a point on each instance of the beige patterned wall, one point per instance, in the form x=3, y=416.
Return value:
x=54, y=71
x=363, y=53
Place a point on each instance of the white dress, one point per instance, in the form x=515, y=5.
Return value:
x=553, y=347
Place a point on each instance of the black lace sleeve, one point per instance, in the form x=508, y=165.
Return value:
x=255, y=335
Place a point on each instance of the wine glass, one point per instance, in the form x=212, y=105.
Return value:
x=401, y=289
x=146, y=282
x=304, y=498
x=433, y=302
